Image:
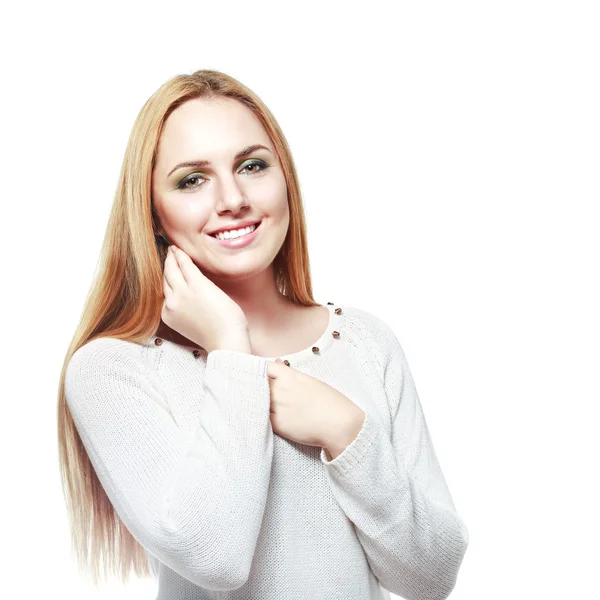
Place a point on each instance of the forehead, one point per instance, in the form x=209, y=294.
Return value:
x=209, y=129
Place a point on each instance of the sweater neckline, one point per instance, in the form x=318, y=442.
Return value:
x=320, y=346
x=314, y=351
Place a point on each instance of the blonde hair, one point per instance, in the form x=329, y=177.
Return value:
x=126, y=297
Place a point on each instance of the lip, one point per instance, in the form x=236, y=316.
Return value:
x=239, y=242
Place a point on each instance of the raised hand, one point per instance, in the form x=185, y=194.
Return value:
x=198, y=309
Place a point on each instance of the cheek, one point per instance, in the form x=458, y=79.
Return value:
x=272, y=198
x=184, y=214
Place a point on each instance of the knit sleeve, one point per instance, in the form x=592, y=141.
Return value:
x=195, y=503
x=394, y=492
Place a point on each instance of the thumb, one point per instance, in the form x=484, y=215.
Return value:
x=272, y=371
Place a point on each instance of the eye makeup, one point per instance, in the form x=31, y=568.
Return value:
x=183, y=184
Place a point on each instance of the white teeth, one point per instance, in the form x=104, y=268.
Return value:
x=234, y=233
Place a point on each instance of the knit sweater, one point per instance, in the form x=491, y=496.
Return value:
x=182, y=443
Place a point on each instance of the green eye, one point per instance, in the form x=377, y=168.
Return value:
x=256, y=163
x=190, y=179
x=257, y=167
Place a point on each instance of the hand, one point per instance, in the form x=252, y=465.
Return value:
x=309, y=411
x=196, y=307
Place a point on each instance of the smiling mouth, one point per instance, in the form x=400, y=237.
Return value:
x=255, y=225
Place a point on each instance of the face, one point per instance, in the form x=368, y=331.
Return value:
x=194, y=200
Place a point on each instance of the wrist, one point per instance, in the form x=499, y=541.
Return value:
x=344, y=436
x=237, y=342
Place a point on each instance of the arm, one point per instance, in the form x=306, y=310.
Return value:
x=394, y=492
x=196, y=505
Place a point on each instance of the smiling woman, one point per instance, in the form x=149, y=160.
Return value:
x=185, y=449
x=217, y=169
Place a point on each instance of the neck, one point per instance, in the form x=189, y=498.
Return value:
x=266, y=308
x=257, y=295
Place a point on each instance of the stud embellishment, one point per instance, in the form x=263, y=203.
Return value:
x=335, y=334
x=338, y=311
x=158, y=341
x=196, y=353
x=315, y=349
x=287, y=362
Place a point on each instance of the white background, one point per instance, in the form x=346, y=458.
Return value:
x=448, y=154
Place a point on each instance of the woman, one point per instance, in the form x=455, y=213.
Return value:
x=185, y=447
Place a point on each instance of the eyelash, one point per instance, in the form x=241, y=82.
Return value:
x=183, y=182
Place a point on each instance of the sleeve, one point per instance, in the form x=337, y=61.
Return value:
x=394, y=492
x=197, y=503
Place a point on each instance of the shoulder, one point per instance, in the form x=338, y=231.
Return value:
x=365, y=318
x=369, y=324
x=101, y=359
x=108, y=376
x=374, y=333
x=105, y=349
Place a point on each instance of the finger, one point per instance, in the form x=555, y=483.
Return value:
x=274, y=369
x=186, y=265
x=173, y=272
x=167, y=289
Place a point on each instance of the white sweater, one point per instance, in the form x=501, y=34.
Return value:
x=183, y=445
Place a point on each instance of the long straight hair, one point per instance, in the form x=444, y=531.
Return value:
x=126, y=297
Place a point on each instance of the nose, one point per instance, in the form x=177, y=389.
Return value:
x=231, y=196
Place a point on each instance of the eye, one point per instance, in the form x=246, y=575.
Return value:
x=257, y=167
x=190, y=179
x=256, y=163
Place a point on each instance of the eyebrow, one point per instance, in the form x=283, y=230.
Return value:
x=203, y=163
